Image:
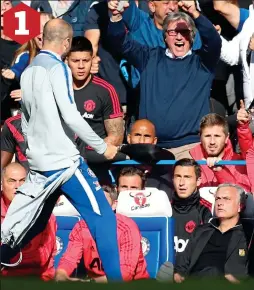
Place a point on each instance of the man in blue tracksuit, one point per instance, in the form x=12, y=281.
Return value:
x=175, y=82
x=49, y=121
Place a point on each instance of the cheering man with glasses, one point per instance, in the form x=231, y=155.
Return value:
x=175, y=81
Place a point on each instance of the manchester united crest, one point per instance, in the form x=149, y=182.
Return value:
x=89, y=105
x=190, y=226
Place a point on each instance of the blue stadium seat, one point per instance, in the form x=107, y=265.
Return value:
x=157, y=241
x=65, y=224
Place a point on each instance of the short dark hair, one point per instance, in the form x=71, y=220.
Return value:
x=131, y=171
x=187, y=162
x=211, y=120
x=80, y=43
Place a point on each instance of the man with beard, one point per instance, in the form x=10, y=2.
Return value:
x=216, y=146
x=189, y=209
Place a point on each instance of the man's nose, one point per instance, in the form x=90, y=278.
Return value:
x=17, y=184
x=172, y=6
x=178, y=36
x=81, y=64
x=181, y=181
x=212, y=140
x=142, y=139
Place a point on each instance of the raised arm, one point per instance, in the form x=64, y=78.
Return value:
x=132, y=15
x=211, y=42
x=228, y=9
x=135, y=53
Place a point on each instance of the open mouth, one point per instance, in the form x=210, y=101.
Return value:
x=179, y=44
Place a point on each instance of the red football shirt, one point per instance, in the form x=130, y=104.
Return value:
x=38, y=255
x=81, y=243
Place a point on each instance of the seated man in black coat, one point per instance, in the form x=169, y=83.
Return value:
x=219, y=248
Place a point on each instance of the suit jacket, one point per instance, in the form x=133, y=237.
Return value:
x=237, y=252
x=235, y=51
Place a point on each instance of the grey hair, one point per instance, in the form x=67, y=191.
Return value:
x=240, y=190
x=172, y=17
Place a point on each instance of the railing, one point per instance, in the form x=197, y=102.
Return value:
x=172, y=162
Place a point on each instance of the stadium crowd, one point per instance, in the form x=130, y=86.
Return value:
x=173, y=76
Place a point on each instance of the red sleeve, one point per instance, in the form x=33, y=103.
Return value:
x=229, y=174
x=73, y=254
x=130, y=243
x=49, y=249
x=250, y=166
x=245, y=138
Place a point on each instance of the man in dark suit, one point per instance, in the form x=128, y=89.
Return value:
x=221, y=247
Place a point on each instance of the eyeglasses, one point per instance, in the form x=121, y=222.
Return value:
x=173, y=32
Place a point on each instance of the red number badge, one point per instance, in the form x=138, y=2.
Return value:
x=21, y=23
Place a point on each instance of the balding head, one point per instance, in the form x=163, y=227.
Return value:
x=57, y=35
x=13, y=176
x=142, y=131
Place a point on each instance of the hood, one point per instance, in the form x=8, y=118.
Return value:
x=199, y=153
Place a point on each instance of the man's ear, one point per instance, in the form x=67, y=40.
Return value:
x=199, y=180
x=155, y=140
x=129, y=139
x=114, y=205
x=151, y=6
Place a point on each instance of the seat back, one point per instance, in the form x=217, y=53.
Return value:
x=207, y=193
x=157, y=241
x=64, y=227
x=144, y=203
x=64, y=208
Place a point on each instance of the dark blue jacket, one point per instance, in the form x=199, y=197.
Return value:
x=76, y=14
x=174, y=92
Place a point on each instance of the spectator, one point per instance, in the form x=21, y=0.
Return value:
x=74, y=12
x=243, y=129
x=218, y=248
x=12, y=142
x=179, y=69
x=227, y=84
x=26, y=53
x=246, y=142
x=8, y=48
x=96, y=26
x=98, y=103
x=132, y=261
x=240, y=49
x=215, y=146
x=189, y=209
x=147, y=29
x=38, y=255
x=130, y=178
x=143, y=131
